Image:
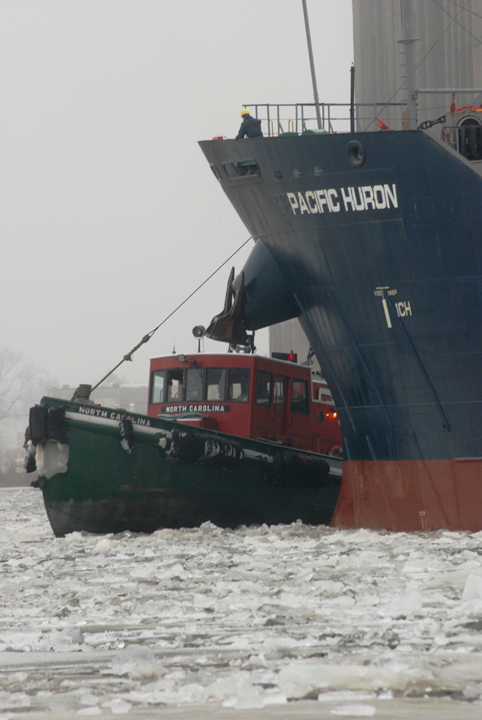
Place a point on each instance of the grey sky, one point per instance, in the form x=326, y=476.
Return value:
x=109, y=213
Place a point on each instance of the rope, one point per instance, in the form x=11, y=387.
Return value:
x=147, y=337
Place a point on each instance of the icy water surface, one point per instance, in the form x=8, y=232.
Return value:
x=245, y=619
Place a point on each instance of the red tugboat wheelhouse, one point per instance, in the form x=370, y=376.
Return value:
x=249, y=396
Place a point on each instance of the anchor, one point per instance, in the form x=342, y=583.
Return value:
x=229, y=326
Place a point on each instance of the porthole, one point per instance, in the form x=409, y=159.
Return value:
x=355, y=152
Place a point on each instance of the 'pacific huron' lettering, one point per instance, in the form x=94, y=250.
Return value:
x=349, y=199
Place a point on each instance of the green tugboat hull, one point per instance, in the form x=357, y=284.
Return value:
x=171, y=476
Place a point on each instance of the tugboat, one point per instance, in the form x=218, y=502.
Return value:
x=235, y=439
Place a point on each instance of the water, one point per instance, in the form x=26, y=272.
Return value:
x=245, y=619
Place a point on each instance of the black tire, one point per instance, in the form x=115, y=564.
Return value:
x=27, y=437
x=203, y=448
x=38, y=424
x=56, y=425
x=127, y=434
x=29, y=463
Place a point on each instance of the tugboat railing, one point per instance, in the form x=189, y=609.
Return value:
x=297, y=118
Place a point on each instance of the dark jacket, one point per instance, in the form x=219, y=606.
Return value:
x=251, y=127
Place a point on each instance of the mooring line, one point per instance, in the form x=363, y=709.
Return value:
x=147, y=337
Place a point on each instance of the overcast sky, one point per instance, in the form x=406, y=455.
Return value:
x=110, y=215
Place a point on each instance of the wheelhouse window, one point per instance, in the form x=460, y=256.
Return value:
x=158, y=383
x=216, y=384
x=174, y=385
x=194, y=383
x=264, y=382
x=299, y=397
x=238, y=384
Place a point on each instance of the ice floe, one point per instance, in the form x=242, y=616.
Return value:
x=244, y=619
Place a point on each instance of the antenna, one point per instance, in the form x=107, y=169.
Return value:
x=312, y=64
x=408, y=40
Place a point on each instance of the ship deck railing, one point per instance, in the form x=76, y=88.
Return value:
x=283, y=119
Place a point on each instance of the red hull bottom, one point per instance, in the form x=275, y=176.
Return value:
x=408, y=495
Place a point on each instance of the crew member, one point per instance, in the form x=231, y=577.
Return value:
x=250, y=127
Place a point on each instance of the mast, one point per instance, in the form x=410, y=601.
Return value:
x=408, y=40
x=352, y=98
x=312, y=64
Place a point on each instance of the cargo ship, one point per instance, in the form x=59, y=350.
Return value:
x=373, y=240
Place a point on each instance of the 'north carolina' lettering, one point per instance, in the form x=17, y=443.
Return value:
x=347, y=199
x=113, y=415
x=202, y=407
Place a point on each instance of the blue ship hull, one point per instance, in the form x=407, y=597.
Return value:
x=374, y=241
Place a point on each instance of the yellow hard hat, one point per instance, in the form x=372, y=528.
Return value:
x=244, y=111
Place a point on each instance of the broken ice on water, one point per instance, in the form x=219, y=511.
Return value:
x=243, y=618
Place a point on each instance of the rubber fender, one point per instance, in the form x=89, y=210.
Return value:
x=56, y=425
x=29, y=463
x=203, y=448
x=26, y=437
x=127, y=434
x=305, y=471
x=38, y=424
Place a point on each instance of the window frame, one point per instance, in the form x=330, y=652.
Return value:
x=299, y=409
x=171, y=373
x=210, y=370
x=232, y=371
x=279, y=401
x=155, y=374
x=193, y=370
x=260, y=400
